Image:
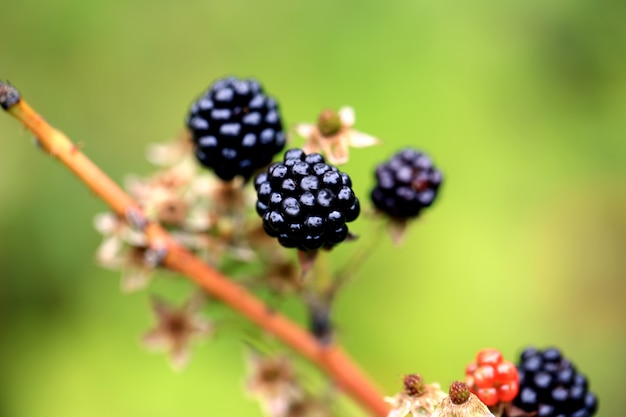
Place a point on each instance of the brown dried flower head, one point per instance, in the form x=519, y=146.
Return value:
x=177, y=327
x=272, y=379
x=418, y=399
x=461, y=403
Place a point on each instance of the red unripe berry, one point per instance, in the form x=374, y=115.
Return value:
x=508, y=391
x=492, y=378
x=506, y=371
x=489, y=357
x=485, y=376
x=489, y=396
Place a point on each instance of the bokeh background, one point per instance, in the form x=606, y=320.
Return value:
x=522, y=104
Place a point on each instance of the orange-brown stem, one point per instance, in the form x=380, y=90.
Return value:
x=331, y=359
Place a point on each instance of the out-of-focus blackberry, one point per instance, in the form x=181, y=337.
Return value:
x=236, y=128
x=304, y=202
x=406, y=184
x=551, y=386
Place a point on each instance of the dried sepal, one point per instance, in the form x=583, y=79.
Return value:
x=137, y=269
x=397, y=229
x=283, y=277
x=307, y=261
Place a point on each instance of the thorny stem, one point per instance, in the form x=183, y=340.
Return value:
x=331, y=359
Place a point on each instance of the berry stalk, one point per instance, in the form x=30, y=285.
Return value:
x=331, y=359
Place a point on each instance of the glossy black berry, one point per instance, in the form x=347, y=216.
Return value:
x=406, y=184
x=305, y=202
x=550, y=386
x=236, y=128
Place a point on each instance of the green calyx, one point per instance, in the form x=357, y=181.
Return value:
x=329, y=122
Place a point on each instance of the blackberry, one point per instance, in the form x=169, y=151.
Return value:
x=406, y=184
x=551, y=386
x=236, y=128
x=306, y=203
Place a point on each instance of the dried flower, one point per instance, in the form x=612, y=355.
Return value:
x=176, y=328
x=123, y=248
x=273, y=380
x=171, y=153
x=418, y=398
x=461, y=403
x=334, y=134
x=307, y=407
x=283, y=277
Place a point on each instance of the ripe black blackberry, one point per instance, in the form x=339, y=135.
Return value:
x=306, y=203
x=551, y=386
x=406, y=184
x=236, y=128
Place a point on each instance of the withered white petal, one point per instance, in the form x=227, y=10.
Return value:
x=135, y=278
x=106, y=223
x=179, y=358
x=347, y=116
x=361, y=140
x=109, y=253
x=306, y=130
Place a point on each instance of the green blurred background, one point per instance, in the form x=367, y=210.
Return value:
x=521, y=103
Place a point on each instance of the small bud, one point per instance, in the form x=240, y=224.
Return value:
x=329, y=123
x=413, y=385
x=459, y=392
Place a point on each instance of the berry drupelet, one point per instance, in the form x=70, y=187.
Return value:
x=306, y=203
x=236, y=128
x=551, y=386
x=406, y=184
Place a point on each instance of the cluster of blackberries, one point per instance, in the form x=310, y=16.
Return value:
x=305, y=202
x=551, y=386
x=406, y=184
x=236, y=128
